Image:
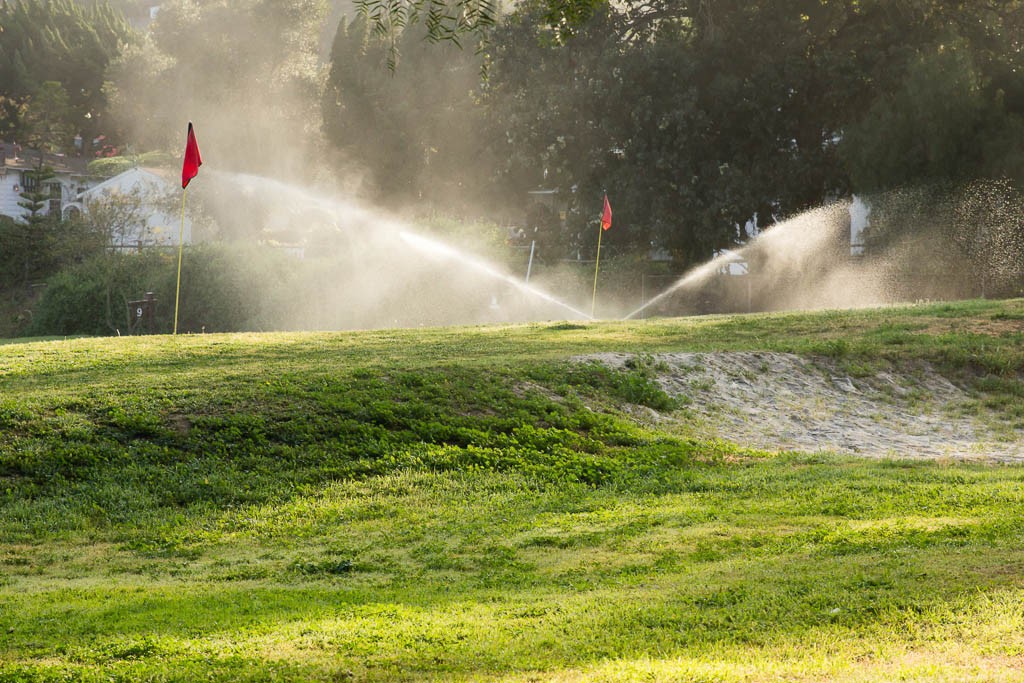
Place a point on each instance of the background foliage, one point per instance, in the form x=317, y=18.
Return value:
x=222, y=289
x=695, y=122
x=56, y=48
x=686, y=113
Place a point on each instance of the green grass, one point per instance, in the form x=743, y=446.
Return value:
x=468, y=504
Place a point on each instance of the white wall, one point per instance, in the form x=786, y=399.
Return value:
x=9, y=198
x=860, y=219
x=160, y=227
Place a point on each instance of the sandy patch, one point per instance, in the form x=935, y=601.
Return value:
x=780, y=401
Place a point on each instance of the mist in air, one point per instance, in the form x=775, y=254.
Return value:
x=360, y=268
x=938, y=242
x=256, y=84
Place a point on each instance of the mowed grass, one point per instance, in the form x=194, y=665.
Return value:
x=470, y=504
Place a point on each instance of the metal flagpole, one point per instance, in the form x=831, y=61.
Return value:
x=597, y=263
x=604, y=224
x=181, y=242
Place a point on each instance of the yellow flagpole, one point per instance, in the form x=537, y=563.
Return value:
x=181, y=242
x=597, y=263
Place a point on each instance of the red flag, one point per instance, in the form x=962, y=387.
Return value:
x=190, y=169
x=606, y=215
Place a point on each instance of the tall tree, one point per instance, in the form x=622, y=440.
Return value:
x=46, y=123
x=247, y=73
x=63, y=42
x=27, y=252
x=415, y=134
x=696, y=122
x=953, y=109
x=454, y=20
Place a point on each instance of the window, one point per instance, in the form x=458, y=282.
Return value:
x=29, y=181
x=55, y=199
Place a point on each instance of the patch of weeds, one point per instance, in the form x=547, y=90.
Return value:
x=961, y=409
x=1008, y=386
x=723, y=452
x=498, y=566
x=442, y=562
x=554, y=463
x=833, y=348
x=704, y=384
x=917, y=398
x=1001, y=397
x=239, y=571
x=707, y=552
x=325, y=567
x=144, y=647
x=646, y=364
x=860, y=368
x=633, y=384
x=724, y=597
x=124, y=649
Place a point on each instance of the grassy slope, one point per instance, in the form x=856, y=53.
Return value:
x=465, y=504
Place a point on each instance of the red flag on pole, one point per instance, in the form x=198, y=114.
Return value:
x=190, y=169
x=606, y=215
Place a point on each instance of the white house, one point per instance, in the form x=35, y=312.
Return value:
x=16, y=167
x=144, y=215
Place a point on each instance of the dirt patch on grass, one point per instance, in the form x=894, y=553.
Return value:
x=778, y=401
x=181, y=424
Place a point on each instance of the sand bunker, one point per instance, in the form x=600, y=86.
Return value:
x=780, y=401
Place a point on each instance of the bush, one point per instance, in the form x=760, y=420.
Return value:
x=224, y=288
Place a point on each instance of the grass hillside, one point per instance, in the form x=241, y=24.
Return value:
x=477, y=504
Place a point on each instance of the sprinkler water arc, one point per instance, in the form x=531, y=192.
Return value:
x=401, y=270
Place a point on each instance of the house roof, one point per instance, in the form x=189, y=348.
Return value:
x=16, y=158
x=144, y=173
x=164, y=173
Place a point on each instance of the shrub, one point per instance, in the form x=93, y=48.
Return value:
x=224, y=288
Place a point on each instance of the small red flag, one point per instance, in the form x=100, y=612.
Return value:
x=606, y=215
x=190, y=169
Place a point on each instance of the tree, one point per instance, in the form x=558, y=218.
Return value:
x=63, y=42
x=955, y=111
x=448, y=21
x=28, y=242
x=444, y=21
x=695, y=123
x=42, y=242
x=115, y=218
x=693, y=128
x=416, y=134
x=253, y=92
x=46, y=122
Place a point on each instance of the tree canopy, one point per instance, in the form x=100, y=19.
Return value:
x=696, y=115
x=47, y=42
x=245, y=71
